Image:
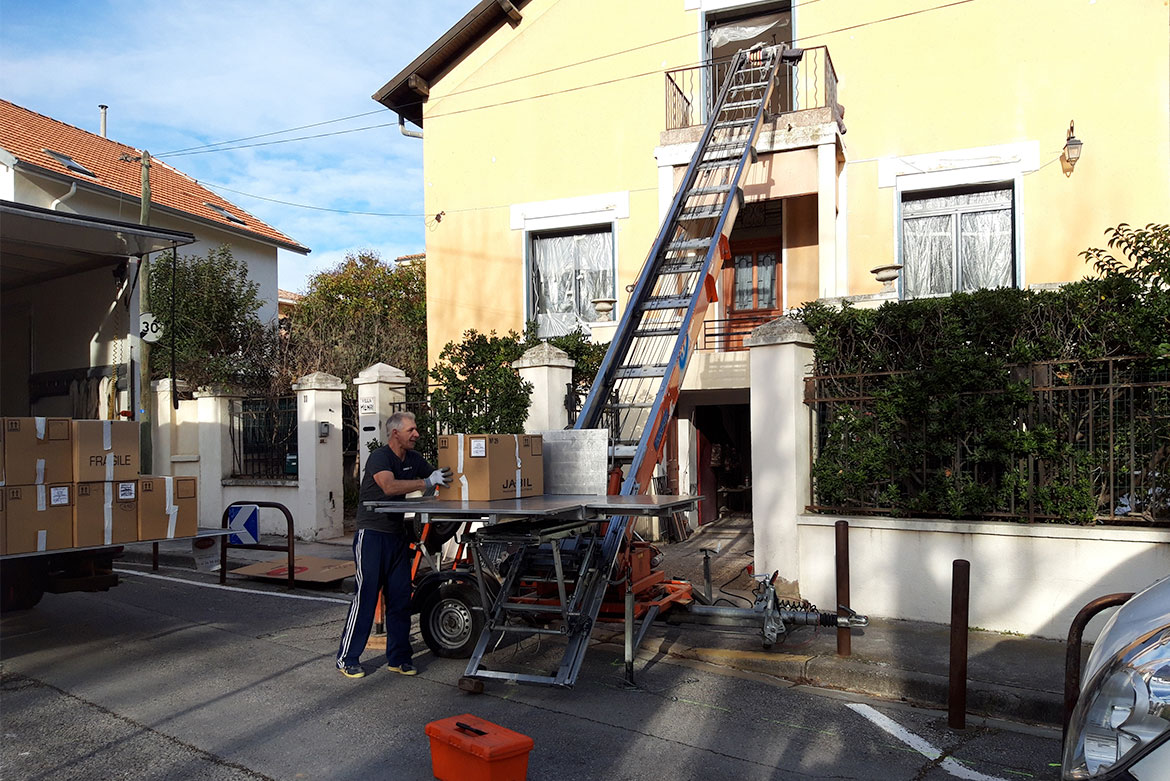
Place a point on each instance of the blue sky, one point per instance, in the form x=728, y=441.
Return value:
x=182, y=74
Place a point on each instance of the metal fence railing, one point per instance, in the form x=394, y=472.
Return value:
x=727, y=335
x=805, y=82
x=263, y=435
x=1109, y=423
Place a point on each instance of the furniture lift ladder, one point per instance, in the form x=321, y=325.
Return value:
x=637, y=386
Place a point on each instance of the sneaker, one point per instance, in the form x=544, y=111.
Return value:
x=406, y=668
x=352, y=671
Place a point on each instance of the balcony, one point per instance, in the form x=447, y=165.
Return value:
x=805, y=92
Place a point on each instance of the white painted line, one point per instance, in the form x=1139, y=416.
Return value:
x=231, y=588
x=918, y=744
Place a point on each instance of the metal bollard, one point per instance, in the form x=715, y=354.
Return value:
x=960, y=609
x=629, y=634
x=844, y=634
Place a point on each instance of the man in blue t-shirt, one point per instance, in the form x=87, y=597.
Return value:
x=381, y=548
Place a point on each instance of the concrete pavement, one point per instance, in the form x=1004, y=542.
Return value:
x=1009, y=676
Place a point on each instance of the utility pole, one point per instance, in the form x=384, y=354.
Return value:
x=143, y=416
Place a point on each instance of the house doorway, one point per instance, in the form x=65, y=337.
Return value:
x=723, y=451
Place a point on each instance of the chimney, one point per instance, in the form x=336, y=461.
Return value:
x=102, y=132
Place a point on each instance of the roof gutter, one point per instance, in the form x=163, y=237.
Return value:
x=405, y=132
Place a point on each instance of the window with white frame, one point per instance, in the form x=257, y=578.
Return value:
x=567, y=271
x=958, y=240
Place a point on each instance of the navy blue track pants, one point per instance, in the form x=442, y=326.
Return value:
x=382, y=563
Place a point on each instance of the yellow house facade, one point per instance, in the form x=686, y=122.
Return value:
x=928, y=136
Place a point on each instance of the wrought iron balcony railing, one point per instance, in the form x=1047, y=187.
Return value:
x=808, y=82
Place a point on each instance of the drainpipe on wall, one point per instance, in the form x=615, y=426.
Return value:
x=405, y=132
x=58, y=201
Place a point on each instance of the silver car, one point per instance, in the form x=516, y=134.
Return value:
x=1120, y=728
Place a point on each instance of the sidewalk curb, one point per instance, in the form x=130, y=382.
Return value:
x=864, y=676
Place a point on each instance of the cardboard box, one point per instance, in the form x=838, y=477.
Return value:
x=168, y=507
x=105, y=450
x=38, y=517
x=105, y=513
x=3, y=520
x=492, y=466
x=37, y=451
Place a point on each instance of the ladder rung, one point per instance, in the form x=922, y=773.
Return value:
x=687, y=244
x=720, y=190
x=636, y=372
x=630, y=405
x=733, y=123
x=667, y=302
x=701, y=214
x=711, y=165
x=738, y=104
x=751, y=85
x=648, y=332
x=622, y=451
x=681, y=268
x=532, y=607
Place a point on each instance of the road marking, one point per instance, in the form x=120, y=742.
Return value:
x=231, y=588
x=918, y=744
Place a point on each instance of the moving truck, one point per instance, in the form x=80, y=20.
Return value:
x=71, y=488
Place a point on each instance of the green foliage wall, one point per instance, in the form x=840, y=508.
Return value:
x=949, y=424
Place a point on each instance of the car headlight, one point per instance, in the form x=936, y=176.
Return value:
x=1124, y=709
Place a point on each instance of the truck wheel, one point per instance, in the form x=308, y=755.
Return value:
x=22, y=584
x=450, y=626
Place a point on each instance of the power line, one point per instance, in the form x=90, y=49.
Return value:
x=274, y=132
x=457, y=92
x=566, y=90
x=305, y=205
x=283, y=140
x=214, y=186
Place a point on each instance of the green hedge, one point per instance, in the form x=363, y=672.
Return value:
x=943, y=418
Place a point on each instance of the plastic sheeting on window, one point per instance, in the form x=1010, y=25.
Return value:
x=568, y=273
x=747, y=29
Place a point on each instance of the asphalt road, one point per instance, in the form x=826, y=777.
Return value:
x=160, y=679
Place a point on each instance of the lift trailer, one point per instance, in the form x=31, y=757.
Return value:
x=544, y=566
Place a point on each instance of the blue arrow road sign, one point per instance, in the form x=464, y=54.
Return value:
x=243, y=519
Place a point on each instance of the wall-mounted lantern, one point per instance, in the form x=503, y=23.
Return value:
x=1072, y=148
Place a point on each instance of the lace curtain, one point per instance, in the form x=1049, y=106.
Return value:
x=568, y=273
x=957, y=243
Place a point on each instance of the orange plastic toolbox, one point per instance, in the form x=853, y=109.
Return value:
x=468, y=748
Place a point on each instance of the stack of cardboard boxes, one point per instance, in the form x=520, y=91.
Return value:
x=76, y=483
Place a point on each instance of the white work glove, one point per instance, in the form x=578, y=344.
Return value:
x=439, y=477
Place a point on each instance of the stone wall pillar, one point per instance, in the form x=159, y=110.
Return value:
x=781, y=354
x=320, y=500
x=164, y=422
x=550, y=370
x=381, y=390
x=213, y=409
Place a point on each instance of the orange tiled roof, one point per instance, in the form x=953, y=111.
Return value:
x=26, y=134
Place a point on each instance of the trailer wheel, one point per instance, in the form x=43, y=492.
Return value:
x=22, y=584
x=450, y=623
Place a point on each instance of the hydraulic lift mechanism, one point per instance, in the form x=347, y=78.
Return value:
x=548, y=570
